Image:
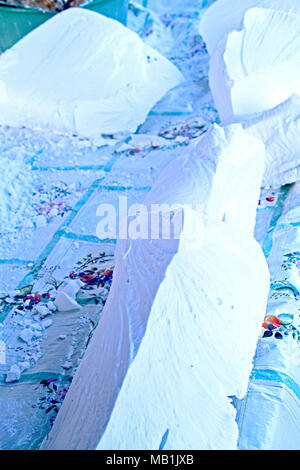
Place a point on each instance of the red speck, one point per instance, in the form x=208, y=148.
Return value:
x=71, y=275
x=270, y=198
x=107, y=273
x=273, y=320
x=88, y=277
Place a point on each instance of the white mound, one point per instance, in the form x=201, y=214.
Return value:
x=226, y=15
x=279, y=129
x=179, y=329
x=82, y=73
x=257, y=68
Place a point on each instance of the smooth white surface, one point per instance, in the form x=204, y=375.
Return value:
x=257, y=68
x=82, y=73
x=223, y=16
x=168, y=350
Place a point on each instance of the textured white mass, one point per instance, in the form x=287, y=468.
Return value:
x=257, y=68
x=279, y=129
x=180, y=326
x=224, y=16
x=82, y=73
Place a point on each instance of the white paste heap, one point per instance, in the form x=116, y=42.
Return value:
x=257, y=68
x=169, y=349
x=82, y=73
x=225, y=16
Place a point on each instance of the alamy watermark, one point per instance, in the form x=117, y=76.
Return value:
x=154, y=221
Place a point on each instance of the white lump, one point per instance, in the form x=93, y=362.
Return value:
x=66, y=297
x=13, y=374
x=82, y=73
x=254, y=78
x=223, y=16
x=258, y=67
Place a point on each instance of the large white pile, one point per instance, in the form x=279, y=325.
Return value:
x=225, y=16
x=257, y=68
x=82, y=73
x=170, y=349
x=254, y=76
